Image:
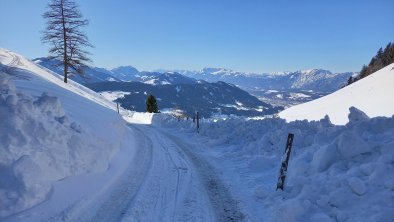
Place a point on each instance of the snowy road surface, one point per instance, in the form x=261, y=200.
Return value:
x=171, y=189
x=155, y=177
x=178, y=185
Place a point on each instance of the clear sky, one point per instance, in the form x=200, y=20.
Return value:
x=245, y=35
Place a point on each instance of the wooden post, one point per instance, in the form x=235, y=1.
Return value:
x=198, y=124
x=285, y=162
x=117, y=107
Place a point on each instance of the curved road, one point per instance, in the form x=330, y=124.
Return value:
x=161, y=180
x=172, y=184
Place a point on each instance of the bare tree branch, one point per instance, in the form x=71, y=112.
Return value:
x=63, y=33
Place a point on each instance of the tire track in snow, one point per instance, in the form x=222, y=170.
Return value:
x=172, y=191
x=226, y=208
x=115, y=207
x=11, y=68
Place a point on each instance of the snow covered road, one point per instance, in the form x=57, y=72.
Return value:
x=225, y=206
x=174, y=184
x=171, y=190
x=155, y=177
x=179, y=186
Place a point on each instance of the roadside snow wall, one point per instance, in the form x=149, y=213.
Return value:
x=336, y=173
x=40, y=145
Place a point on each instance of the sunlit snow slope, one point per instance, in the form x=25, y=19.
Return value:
x=374, y=95
x=49, y=130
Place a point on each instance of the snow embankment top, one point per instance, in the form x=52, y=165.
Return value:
x=373, y=95
x=10, y=60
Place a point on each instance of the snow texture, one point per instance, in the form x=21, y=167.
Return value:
x=48, y=133
x=336, y=172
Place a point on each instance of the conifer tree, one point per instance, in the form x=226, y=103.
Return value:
x=380, y=60
x=63, y=33
x=151, y=104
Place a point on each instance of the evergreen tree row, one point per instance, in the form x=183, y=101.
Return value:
x=381, y=59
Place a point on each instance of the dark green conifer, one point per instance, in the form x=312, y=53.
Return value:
x=151, y=104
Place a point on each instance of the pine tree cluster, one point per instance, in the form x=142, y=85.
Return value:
x=381, y=59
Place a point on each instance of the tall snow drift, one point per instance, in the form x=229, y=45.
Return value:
x=48, y=131
x=336, y=173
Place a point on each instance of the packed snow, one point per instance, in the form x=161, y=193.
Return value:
x=373, y=94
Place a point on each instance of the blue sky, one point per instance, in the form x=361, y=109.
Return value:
x=253, y=36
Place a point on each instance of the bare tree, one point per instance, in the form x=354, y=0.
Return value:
x=63, y=33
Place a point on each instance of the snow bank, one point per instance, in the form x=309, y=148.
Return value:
x=39, y=145
x=138, y=118
x=336, y=173
x=48, y=131
x=373, y=94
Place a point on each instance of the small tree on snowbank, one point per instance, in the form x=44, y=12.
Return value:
x=151, y=104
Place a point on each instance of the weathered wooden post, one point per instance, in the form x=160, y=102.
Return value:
x=117, y=107
x=285, y=162
x=198, y=123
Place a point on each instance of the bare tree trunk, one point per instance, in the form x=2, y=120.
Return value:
x=65, y=62
x=63, y=32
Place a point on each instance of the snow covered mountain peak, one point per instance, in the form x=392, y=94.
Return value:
x=124, y=71
x=216, y=71
x=315, y=72
x=169, y=78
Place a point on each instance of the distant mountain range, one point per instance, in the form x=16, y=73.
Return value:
x=207, y=98
x=275, y=91
x=318, y=80
x=130, y=88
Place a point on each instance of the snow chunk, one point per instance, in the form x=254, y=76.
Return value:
x=351, y=145
x=357, y=186
x=356, y=115
x=324, y=157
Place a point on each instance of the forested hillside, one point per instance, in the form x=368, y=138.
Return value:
x=381, y=59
